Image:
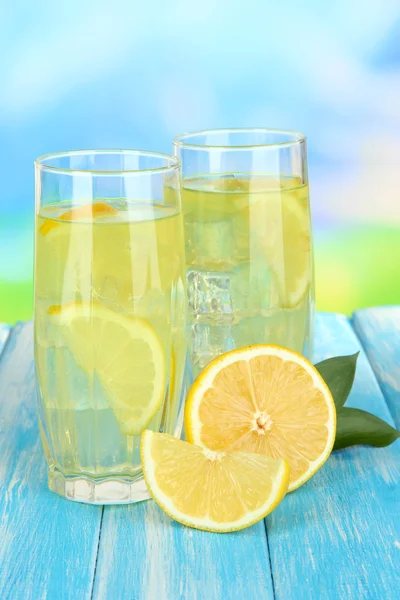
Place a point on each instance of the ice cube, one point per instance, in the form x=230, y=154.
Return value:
x=252, y=289
x=115, y=293
x=209, y=244
x=209, y=296
x=206, y=342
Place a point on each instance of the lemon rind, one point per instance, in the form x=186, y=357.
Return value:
x=204, y=381
x=278, y=492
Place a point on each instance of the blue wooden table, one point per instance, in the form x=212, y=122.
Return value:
x=338, y=537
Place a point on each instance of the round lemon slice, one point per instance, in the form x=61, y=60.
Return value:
x=214, y=491
x=126, y=355
x=264, y=399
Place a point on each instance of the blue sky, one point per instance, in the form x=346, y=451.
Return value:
x=132, y=74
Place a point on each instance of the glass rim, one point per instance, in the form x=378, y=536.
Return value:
x=173, y=161
x=183, y=140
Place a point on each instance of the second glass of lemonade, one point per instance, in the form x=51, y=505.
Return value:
x=249, y=260
x=109, y=316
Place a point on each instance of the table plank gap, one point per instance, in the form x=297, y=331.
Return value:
x=48, y=544
x=4, y=334
x=170, y=562
x=97, y=552
x=379, y=332
x=338, y=536
x=269, y=559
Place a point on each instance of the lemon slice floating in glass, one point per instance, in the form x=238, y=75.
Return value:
x=126, y=355
x=84, y=213
x=214, y=491
x=264, y=399
x=281, y=220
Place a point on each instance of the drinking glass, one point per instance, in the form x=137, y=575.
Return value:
x=249, y=261
x=109, y=316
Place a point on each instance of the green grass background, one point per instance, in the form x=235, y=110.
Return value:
x=354, y=268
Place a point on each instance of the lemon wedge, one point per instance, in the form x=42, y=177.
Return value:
x=214, y=491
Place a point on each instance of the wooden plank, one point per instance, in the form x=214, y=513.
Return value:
x=4, y=333
x=379, y=332
x=339, y=535
x=144, y=555
x=48, y=545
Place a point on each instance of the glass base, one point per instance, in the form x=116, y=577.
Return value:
x=105, y=491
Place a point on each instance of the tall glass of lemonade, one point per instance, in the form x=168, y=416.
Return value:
x=249, y=261
x=109, y=316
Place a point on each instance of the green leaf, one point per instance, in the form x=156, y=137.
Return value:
x=338, y=373
x=355, y=426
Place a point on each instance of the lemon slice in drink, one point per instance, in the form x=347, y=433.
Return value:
x=281, y=220
x=126, y=355
x=86, y=212
x=296, y=248
x=264, y=399
x=70, y=238
x=214, y=491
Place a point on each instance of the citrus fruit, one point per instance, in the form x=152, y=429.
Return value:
x=71, y=240
x=87, y=211
x=124, y=352
x=296, y=227
x=264, y=399
x=282, y=222
x=214, y=491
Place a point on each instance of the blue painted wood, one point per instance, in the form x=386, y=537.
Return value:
x=144, y=555
x=339, y=535
x=4, y=332
x=48, y=545
x=379, y=332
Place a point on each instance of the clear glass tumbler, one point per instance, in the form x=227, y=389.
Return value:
x=109, y=316
x=249, y=257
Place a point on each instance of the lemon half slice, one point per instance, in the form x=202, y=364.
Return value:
x=264, y=399
x=126, y=354
x=214, y=491
x=86, y=212
x=282, y=223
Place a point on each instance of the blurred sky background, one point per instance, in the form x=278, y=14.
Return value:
x=132, y=74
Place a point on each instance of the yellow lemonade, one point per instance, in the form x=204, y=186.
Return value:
x=249, y=263
x=109, y=332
